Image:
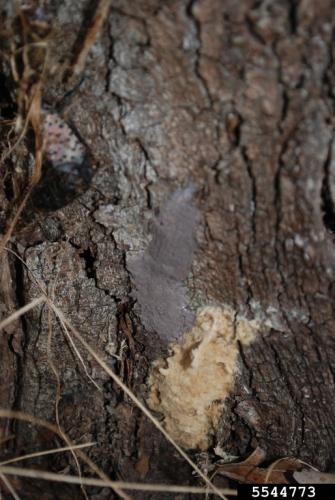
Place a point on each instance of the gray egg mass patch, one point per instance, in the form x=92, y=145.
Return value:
x=159, y=273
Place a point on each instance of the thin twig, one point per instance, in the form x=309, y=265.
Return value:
x=9, y=486
x=45, y=452
x=21, y=311
x=65, y=478
x=90, y=37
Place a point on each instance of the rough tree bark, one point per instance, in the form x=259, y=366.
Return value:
x=233, y=101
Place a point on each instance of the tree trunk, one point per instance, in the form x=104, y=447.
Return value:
x=211, y=125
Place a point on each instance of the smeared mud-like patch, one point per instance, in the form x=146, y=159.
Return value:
x=189, y=388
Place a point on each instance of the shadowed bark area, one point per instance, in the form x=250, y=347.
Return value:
x=233, y=101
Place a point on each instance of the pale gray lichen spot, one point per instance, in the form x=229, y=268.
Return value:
x=159, y=273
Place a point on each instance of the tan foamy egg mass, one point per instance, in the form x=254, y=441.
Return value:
x=61, y=143
x=189, y=387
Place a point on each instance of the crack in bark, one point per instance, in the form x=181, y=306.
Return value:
x=285, y=377
x=253, y=32
x=252, y=178
x=246, y=282
x=89, y=260
x=197, y=70
x=277, y=177
x=20, y=359
x=110, y=57
x=293, y=16
x=327, y=203
x=148, y=183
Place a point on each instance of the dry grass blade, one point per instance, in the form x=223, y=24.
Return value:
x=18, y=415
x=272, y=467
x=31, y=273
x=9, y=486
x=6, y=439
x=35, y=120
x=79, y=356
x=34, y=116
x=33, y=108
x=46, y=452
x=13, y=222
x=132, y=396
x=64, y=478
x=90, y=37
x=58, y=394
x=21, y=311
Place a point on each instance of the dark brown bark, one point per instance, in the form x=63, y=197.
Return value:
x=236, y=100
